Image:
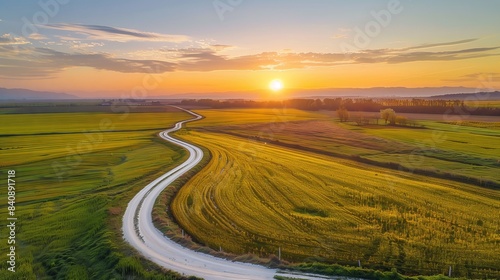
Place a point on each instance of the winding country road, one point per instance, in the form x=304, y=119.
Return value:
x=139, y=231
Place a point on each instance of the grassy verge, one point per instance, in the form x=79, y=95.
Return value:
x=338, y=270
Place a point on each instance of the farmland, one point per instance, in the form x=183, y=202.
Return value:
x=259, y=193
x=75, y=172
x=275, y=178
x=484, y=103
x=448, y=149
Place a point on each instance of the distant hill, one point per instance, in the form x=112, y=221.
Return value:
x=381, y=92
x=376, y=92
x=469, y=96
x=25, y=94
x=455, y=93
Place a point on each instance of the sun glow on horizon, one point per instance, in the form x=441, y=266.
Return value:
x=276, y=85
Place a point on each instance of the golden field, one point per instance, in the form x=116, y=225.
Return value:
x=254, y=197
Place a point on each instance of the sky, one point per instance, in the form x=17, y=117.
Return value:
x=160, y=47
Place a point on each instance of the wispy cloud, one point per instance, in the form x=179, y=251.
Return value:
x=443, y=44
x=339, y=36
x=8, y=39
x=45, y=61
x=480, y=77
x=219, y=47
x=108, y=33
x=398, y=56
x=37, y=36
x=209, y=60
x=78, y=45
x=342, y=33
x=104, y=61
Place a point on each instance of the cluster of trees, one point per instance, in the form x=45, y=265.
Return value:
x=414, y=105
x=343, y=114
x=388, y=115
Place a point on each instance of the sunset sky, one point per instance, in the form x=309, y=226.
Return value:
x=111, y=48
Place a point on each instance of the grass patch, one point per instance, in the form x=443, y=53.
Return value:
x=488, y=125
x=311, y=212
x=70, y=213
x=337, y=270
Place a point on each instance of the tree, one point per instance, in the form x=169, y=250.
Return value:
x=343, y=114
x=360, y=119
x=401, y=120
x=388, y=115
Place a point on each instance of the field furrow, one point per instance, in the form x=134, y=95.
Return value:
x=255, y=197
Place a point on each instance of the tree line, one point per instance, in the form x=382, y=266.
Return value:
x=414, y=105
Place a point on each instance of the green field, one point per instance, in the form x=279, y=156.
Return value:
x=75, y=173
x=274, y=178
x=268, y=117
x=483, y=103
x=259, y=193
x=446, y=149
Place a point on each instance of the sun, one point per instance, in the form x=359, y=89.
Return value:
x=276, y=85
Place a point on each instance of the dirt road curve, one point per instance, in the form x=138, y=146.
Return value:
x=139, y=231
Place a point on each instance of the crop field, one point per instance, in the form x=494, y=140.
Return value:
x=75, y=172
x=256, y=196
x=269, y=117
x=483, y=103
x=81, y=106
x=270, y=184
x=489, y=125
x=471, y=149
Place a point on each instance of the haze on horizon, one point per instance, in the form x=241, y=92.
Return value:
x=168, y=47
